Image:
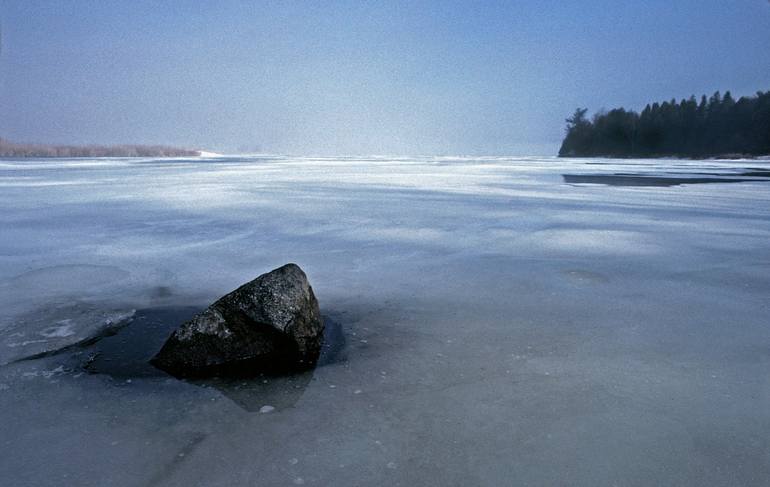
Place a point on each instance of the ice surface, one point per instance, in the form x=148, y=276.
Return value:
x=53, y=328
x=502, y=325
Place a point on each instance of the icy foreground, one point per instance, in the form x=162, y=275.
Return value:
x=502, y=324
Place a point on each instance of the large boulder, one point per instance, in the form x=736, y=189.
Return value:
x=272, y=322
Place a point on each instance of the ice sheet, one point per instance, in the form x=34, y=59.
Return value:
x=504, y=326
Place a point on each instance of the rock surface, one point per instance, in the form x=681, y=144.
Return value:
x=271, y=322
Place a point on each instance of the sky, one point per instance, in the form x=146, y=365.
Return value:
x=333, y=78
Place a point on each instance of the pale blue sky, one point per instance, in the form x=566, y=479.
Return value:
x=413, y=77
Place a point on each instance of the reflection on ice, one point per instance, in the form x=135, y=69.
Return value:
x=125, y=356
x=667, y=180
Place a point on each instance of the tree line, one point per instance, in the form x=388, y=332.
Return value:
x=10, y=149
x=712, y=127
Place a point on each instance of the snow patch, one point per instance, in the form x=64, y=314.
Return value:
x=63, y=328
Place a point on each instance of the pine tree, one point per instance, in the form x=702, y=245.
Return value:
x=716, y=125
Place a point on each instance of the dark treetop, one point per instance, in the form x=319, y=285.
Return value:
x=714, y=127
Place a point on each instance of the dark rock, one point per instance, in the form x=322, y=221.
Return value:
x=272, y=322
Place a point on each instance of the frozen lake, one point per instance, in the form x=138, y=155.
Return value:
x=496, y=321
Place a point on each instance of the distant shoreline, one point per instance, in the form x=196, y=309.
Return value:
x=717, y=157
x=717, y=127
x=11, y=149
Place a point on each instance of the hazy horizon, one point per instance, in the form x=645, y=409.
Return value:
x=432, y=78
